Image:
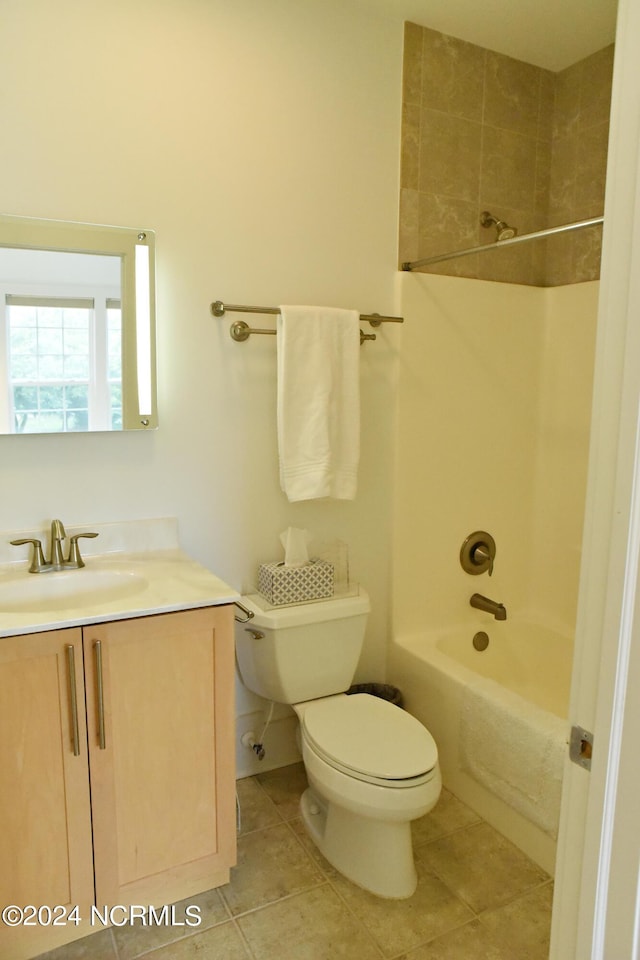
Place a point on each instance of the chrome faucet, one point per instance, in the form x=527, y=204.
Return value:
x=56, y=561
x=498, y=610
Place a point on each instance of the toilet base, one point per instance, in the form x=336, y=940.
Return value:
x=377, y=855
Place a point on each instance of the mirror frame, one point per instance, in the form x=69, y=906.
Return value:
x=139, y=396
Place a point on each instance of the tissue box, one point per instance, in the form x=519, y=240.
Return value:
x=280, y=584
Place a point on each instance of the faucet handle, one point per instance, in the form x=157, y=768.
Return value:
x=75, y=560
x=37, y=560
x=478, y=553
x=482, y=556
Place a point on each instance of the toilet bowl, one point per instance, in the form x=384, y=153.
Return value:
x=372, y=768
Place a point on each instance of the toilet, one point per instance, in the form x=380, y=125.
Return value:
x=372, y=768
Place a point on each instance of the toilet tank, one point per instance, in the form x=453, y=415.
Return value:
x=301, y=652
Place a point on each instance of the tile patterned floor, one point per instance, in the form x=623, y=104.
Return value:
x=478, y=896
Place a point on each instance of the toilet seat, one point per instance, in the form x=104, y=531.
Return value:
x=370, y=739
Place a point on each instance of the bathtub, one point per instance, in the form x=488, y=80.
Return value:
x=499, y=717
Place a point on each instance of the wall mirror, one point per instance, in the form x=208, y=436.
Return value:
x=77, y=327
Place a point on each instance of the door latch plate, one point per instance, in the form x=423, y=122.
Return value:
x=581, y=747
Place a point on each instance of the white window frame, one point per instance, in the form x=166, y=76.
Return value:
x=101, y=295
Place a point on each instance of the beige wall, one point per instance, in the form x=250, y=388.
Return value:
x=260, y=142
x=484, y=131
x=493, y=428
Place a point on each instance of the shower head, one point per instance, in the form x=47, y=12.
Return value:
x=505, y=232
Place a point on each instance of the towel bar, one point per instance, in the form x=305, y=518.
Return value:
x=240, y=330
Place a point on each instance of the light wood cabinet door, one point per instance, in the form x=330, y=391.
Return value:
x=45, y=821
x=160, y=712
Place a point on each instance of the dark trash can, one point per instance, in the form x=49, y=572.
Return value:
x=382, y=690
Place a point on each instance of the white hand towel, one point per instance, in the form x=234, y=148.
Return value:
x=318, y=401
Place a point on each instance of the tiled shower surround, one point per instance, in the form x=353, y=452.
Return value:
x=482, y=131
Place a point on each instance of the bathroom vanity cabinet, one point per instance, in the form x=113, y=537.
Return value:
x=117, y=779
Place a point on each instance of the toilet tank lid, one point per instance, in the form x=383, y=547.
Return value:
x=315, y=611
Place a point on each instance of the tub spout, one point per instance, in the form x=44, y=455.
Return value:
x=498, y=610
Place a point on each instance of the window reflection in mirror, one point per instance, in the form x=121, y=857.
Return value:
x=77, y=344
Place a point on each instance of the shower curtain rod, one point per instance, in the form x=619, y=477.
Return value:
x=565, y=227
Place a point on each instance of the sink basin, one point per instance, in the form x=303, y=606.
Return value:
x=67, y=589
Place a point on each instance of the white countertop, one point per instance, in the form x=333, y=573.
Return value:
x=159, y=579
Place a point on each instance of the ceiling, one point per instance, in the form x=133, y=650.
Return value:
x=549, y=33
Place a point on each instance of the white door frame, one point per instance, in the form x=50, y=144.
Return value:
x=597, y=901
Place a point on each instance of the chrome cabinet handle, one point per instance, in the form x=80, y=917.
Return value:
x=98, y=652
x=71, y=664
